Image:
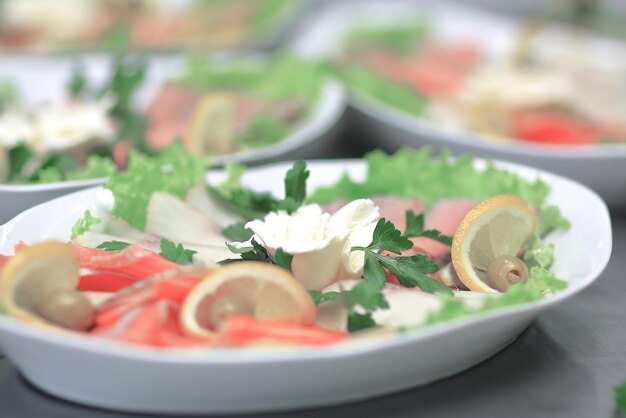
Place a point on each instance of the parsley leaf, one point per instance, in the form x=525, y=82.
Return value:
x=176, y=253
x=239, y=250
x=620, y=398
x=113, y=246
x=415, y=228
x=295, y=182
x=254, y=253
x=373, y=271
x=255, y=205
x=367, y=295
x=410, y=271
x=19, y=155
x=283, y=259
x=358, y=322
x=128, y=76
x=387, y=238
x=437, y=236
x=248, y=204
x=78, y=85
x=237, y=232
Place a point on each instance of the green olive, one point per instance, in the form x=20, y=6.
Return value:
x=505, y=271
x=67, y=308
x=226, y=306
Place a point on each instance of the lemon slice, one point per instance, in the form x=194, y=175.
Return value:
x=34, y=274
x=497, y=227
x=261, y=290
x=211, y=129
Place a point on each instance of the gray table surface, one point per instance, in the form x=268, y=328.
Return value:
x=564, y=365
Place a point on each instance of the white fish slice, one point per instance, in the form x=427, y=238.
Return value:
x=171, y=218
x=200, y=199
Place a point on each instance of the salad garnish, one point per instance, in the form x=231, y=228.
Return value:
x=173, y=171
x=398, y=262
x=112, y=246
x=234, y=106
x=77, y=139
x=113, y=26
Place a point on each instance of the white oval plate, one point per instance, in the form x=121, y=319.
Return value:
x=602, y=168
x=312, y=138
x=115, y=376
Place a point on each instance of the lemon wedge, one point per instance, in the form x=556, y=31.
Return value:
x=260, y=290
x=493, y=232
x=211, y=129
x=34, y=274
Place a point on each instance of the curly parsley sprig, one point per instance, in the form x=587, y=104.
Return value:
x=411, y=271
x=254, y=205
x=366, y=297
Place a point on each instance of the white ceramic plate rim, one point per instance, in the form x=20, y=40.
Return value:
x=236, y=356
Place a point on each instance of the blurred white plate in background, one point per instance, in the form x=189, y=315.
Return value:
x=602, y=168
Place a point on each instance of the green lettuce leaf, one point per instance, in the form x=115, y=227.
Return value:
x=263, y=130
x=173, y=171
x=280, y=77
x=539, y=254
x=365, y=81
x=549, y=218
x=433, y=178
x=269, y=13
x=97, y=167
x=399, y=38
x=84, y=224
x=540, y=283
x=9, y=94
x=234, y=172
x=48, y=175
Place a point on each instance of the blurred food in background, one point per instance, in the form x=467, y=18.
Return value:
x=216, y=107
x=75, y=138
x=157, y=25
x=224, y=107
x=543, y=89
x=605, y=17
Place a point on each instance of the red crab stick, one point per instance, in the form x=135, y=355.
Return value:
x=4, y=259
x=552, y=127
x=154, y=324
x=239, y=331
x=172, y=290
x=112, y=271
